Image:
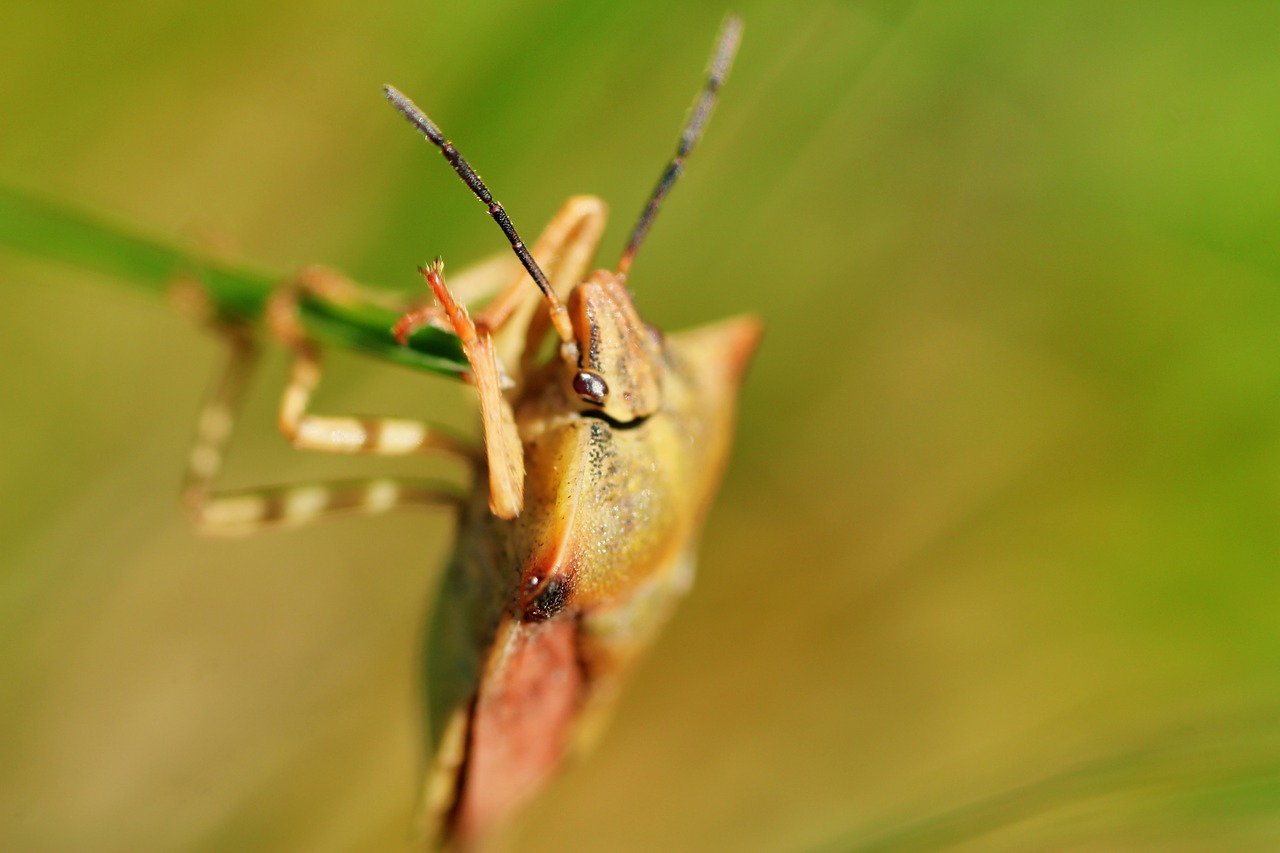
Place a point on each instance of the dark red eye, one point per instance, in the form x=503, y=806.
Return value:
x=590, y=387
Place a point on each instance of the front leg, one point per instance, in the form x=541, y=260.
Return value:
x=566, y=247
x=501, y=439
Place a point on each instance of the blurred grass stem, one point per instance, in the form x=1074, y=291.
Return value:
x=50, y=231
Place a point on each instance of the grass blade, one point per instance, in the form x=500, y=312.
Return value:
x=52, y=232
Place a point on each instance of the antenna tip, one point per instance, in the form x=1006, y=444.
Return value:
x=416, y=116
x=731, y=30
x=726, y=46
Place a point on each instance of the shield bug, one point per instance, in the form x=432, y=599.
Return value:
x=602, y=453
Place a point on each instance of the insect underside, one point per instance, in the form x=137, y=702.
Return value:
x=600, y=460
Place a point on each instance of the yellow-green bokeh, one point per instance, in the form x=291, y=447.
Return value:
x=996, y=567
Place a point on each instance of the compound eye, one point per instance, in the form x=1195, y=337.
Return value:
x=590, y=387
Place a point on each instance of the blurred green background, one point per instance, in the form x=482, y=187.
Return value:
x=995, y=566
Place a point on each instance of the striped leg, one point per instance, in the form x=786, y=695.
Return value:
x=246, y=511
x=327, y=433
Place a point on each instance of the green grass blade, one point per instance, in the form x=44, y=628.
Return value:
x=52, y=232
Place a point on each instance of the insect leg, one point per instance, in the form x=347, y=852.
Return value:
x=564, y=249
x=238, y=513
x=327, y=433
x=502, y=441
x=245, y=511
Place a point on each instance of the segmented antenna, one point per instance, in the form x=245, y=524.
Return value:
x=717, y=71
x=427, y=128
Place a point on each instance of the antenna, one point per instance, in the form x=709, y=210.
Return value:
x=717, y=71
x=427, y=128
